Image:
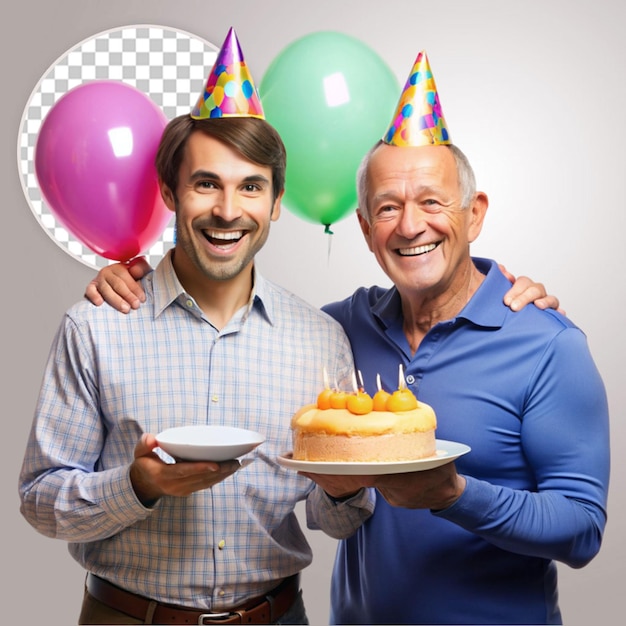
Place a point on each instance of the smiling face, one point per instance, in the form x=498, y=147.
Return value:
x=224, y=205
x=416, y=225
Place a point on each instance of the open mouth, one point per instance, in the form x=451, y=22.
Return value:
x=223, y=239
x=418, y=250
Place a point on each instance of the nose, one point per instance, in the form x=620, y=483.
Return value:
x=227, y=206
x=412, y=222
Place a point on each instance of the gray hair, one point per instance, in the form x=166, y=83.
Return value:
x=465, y=173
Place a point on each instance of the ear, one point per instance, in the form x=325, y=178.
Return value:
x=478, y=211
x=275, y=214
x=168, y=196
x=366, y=228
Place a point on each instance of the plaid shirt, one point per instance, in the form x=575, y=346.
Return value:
x=111, y=377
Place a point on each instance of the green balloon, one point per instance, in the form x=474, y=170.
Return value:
x=331, y=98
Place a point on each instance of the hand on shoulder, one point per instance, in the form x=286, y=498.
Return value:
x=525, y=291
x=118, y=285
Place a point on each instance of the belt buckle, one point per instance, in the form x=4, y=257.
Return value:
x=213, y=616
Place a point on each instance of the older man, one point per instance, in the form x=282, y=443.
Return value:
x=476, y=541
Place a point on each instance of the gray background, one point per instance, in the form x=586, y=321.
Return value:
x=533, y=91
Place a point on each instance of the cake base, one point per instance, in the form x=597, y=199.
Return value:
x=364, y=449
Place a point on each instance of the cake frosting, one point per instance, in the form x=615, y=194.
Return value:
x=349, y=427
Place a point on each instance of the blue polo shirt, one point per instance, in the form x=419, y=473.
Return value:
x=521, y=389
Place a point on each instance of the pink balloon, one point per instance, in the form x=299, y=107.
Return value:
x=94, y=161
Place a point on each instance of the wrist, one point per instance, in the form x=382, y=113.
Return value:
x=144, y=493
x=345, y=497
x=457, y=491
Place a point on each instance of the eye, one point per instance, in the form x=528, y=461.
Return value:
x=205, y=184
x=432, y=205
x=385, y=212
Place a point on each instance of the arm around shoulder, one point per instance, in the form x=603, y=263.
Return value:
x=118, y=285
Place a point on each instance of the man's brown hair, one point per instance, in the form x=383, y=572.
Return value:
x=255, y=139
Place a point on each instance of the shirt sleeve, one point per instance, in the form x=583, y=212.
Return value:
x=339, y=519
x=62, y=494
x=565, y=438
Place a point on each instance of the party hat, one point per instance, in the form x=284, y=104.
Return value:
x=418, y=120
x=229, y=90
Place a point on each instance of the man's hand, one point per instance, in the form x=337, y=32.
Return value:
x=431, y=489
x=117, y=285
x=340, y=487
x=435, y=489
x=152, y=478
x=525, y=291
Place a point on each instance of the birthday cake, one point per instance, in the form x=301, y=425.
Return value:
x=354, y=427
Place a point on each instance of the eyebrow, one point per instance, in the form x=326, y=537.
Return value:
x=387, y=195
x=205, y=174
x=392, y=195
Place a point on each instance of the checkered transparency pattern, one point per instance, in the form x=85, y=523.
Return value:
x=170, y=66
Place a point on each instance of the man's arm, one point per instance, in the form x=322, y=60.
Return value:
x=565, y=438
x=338, y=518
x=525, y=290
x=118, y=285
x=62, y=493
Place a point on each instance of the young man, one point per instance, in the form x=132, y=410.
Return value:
x=187, y=542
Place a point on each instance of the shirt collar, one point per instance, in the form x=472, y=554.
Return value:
x=486, y=307
x=165, y=285
x=167, y=290
x=481, y=310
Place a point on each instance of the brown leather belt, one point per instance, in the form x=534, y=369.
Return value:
x=260, y=610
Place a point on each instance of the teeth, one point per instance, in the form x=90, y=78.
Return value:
x=225, y=236
x=417, y=250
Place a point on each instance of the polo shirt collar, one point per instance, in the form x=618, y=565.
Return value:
x=480, y=310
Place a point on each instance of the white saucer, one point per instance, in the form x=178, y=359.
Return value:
x=204, y=442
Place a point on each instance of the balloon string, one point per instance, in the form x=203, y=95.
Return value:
x=330, y=233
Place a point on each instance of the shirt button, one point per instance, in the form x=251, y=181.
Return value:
x=189, y=303
x=222, y=592
x=410, y=379
x=221, y=544
x=215, y=399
